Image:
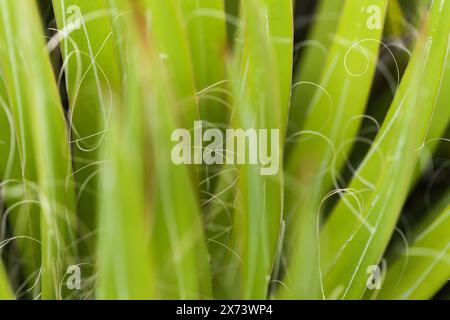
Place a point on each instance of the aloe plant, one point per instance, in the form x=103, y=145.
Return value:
x=96, y=106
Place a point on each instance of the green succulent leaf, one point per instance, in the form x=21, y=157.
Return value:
x=42, y=135
x=311, y=63
x=358, y=230
x=5, y=290
x=126, y=266
x=330, y=128
x=423, y=267
x=206, y=27
x=264, y=57
x=91, y=73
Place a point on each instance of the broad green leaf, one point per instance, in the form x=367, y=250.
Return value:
x=170, y=41
x=126, y=267
x=42, y=135
x=358, y=230
x=176, y=236
x=279, y=19
x=418, y=9
x=329, y=131
x=23, y=216
x=314, y=52
x=206, y=26
x=7, y=134
x=261, y=89
x=438, y=126
x=5, y=290
x=423, y=267
x=91, y=78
